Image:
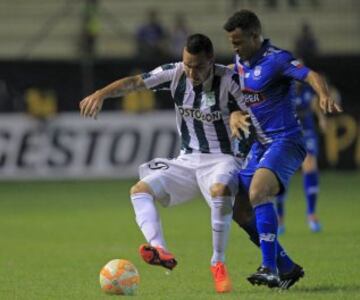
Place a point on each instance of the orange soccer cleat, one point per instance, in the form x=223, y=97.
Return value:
x=221, y=278
x=157, y=256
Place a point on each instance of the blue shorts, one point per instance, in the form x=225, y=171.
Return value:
x=311, y=142
x=283, y=157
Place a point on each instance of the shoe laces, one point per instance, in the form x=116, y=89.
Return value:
x=220, y=271
x=164, y=254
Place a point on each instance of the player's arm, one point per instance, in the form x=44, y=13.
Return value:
x=239, y=118
x=326, y=102
x=292, y=68
x=92, y=104
x=320, y=116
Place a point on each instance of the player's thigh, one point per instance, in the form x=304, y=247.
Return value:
x=282, y=159
x=221, y=170
x=172, y=181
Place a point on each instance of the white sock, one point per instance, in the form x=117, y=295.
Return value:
x=221, y=216
x=148, y=219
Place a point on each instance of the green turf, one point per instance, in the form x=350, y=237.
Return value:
x=55, y=237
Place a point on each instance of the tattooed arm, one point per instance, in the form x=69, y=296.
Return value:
x=92, y=104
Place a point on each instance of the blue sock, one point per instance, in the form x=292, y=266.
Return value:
x=311, y=187
x=284, y=262
x=266, y=223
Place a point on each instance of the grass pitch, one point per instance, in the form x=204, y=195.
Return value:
x=55, y=237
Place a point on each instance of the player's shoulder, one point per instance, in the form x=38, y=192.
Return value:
x=158, y=71
x=278, y=55
x=227, y=75
x=171, y=66
x=223, y=71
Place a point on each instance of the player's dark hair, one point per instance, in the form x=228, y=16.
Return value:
x=198, y=43
x=244, y=19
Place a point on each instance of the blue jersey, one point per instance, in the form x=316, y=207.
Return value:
x=267, y=83
x=303, y=98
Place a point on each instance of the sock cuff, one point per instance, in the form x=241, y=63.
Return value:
x=311, y=178
x=136, y=196
x=222, y=198
x=262, y=206
x=312, y=173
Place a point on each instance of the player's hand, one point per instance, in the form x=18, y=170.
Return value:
x=239, y=121
x=91, y=105
x=328, y=105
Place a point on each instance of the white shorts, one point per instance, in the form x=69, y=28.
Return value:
x=178, y=180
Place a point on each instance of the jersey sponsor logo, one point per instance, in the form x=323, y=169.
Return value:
x=257, y=71
x=252, y=98
x=158, y=165
x=208, y=99
x=197, y=114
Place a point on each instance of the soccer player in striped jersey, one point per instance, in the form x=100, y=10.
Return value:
x=266, y=75
x=204, y=95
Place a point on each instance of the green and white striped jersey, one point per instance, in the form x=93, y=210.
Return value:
x=202, y=112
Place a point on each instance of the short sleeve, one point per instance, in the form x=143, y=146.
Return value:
x=235, y=95
x=291, y=67
x=160, y=78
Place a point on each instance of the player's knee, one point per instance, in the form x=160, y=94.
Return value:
x=219, y=190
x=309, y=164
x=258, y=195
x=140, y=187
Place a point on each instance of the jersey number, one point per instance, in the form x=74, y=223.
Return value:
x=158, y=165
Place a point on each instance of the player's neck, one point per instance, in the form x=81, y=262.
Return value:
x=258, y=45
x=208, y=81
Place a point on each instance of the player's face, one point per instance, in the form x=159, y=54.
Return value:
x=197, y=67
x=245, y=44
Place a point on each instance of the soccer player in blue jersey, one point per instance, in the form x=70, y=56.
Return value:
x=267, y=75
x=306, y=107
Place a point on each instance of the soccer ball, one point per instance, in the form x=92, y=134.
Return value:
x=120, y=277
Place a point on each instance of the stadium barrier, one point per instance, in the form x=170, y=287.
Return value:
x=71, y=147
